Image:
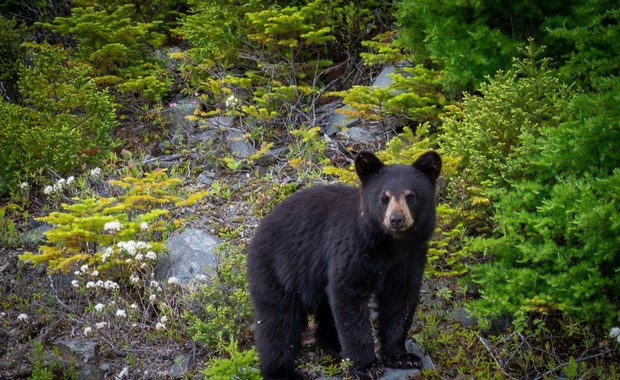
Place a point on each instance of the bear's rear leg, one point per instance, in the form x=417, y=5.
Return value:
x=326, y=334
x=279, y=323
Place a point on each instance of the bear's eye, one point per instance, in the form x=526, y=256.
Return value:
x=410, y=198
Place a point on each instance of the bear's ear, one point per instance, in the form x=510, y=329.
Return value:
x=430, y=164
x=367, y=164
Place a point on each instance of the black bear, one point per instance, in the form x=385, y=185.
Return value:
x=327, y=249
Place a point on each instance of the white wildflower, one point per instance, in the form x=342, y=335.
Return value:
x=22, y=317
x=153, y=284
x=144, y=226
x=134, y=306
x=110, y=285
x=134, y=279
x=160, y=326
x=123, y=374
x=112, y=227
x=163, y=319
x=121, y=313
x=128, y=246
x=70, y=180
x=84, y=268
x=151, y=255
x=95, y=172
x=23, y=185
x=48, y=190
x=90, y=284
x=106, y=254
x=77, y=273
x=100, y=325
x=141, y=245
x=61, y=183
x=139, y=256
x=173, y=280
x=75, y=283
x=95, y=273
x=87, y=330
x=152, y=297
x=99, y=307
x=615, y=332
x=231, y=101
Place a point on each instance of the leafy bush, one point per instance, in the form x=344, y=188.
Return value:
x=119, y=49
x=64, y=122
x=225, y=311
x=473, y=39
x=113, y=237
x=238, y=365
x=11, y=55
x=496, y=131
x=546, y=160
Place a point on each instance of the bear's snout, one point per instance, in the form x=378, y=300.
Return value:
x=398, y=215
x=397, y=221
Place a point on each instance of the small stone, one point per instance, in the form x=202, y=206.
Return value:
x=84, y=351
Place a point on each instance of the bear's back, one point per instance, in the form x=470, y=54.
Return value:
x=293, y=241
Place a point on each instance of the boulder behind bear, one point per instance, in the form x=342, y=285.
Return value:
x=327, y=249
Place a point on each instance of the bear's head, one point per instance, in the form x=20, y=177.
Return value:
x=401, y=198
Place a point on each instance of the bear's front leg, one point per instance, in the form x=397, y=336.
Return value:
x=352, y=319
x=397, y=300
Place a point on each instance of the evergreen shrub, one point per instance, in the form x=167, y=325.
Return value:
x=546, y=161
x=64, y=122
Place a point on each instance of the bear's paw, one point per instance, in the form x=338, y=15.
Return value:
x=404, y=361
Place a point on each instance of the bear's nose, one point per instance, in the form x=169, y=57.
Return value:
x=397, y=221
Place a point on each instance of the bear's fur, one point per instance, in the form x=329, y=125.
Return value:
x=327, y=249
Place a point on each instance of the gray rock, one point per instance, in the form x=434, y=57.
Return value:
x=460, y=315
x=272, y=156
x=162, y=161
x=337, y=121
x=84, y=351
x=238, y=145
x=183, y=363
x=358, y=134
x=36, y=236
x=176, y=114
x=204, y=178
x=384, y=79
x=191, y=256
x=91, y=372
x=221, y=121
x=204, y=136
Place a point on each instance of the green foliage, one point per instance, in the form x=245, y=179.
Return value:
x=590, y=39
x=39, y=370
x=11, y=55
x=238, y=365
x=65, y=121
x=44, y=369
x=498, y=129
x=413, y=97
x=101, y=232
x=473, y=39
x=119, y=50
x=215, y=29
x=226, y=311
x=546, y=160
